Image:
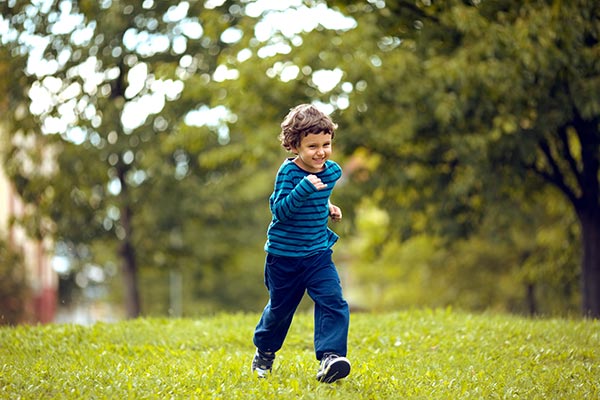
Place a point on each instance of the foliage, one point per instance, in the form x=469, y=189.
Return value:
x=460, y=128
x=469, y=105
x=124, y=186
x=416, y=354
x=525, y=264
x=453, y=118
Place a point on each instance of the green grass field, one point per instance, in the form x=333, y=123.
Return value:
x=414, y=354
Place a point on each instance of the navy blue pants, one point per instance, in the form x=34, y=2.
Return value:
x=287, y=279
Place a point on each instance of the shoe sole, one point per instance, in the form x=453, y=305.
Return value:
x=337, y=369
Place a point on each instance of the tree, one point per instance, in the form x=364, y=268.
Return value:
x=450, y=113
x=472, y=102
x=159, y=191
x=101, y=95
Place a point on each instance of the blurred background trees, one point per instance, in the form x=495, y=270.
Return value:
x=495, y=108
x=468, y=136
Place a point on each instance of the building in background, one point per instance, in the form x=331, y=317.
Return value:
x=41, y=278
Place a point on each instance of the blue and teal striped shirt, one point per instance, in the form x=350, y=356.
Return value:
x=300, y=212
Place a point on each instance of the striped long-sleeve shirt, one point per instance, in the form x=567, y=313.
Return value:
x=300, y=212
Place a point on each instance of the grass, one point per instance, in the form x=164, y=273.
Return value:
x=414, y=354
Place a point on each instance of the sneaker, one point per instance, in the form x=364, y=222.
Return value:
x=262, y=363
x=333, y=367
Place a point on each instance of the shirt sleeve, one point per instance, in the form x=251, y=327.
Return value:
x=287, y=198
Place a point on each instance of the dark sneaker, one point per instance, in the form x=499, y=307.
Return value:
x=333, y=367
x=262, y=364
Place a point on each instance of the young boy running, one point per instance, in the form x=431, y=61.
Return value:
x=299, y=247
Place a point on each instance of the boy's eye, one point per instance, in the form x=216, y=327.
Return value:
x=314, y=146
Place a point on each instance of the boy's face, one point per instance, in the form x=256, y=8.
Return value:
x=313, y=151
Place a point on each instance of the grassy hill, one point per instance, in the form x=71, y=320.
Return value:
x=414, y=354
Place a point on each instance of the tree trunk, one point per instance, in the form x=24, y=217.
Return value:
x=127, y=253
x=590, y=274
x=588, y=211
x=129, y=268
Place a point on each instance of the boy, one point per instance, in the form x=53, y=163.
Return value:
x=299, y=247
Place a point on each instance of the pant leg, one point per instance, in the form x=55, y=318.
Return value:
x=286, y=288
x=332, y=314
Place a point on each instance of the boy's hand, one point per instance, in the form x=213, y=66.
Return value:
x=316, y=181
x=335, y=213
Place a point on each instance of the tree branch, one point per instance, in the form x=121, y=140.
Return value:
x=555, y=177
x=562, y=134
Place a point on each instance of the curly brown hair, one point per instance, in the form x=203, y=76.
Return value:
x=301, y=121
